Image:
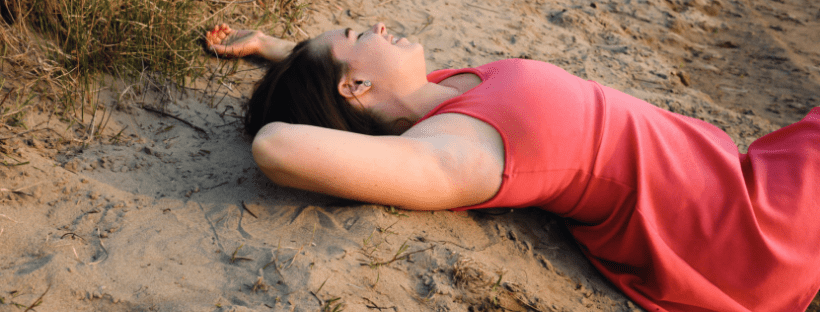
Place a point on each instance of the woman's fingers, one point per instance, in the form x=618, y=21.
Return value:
x=233, y=43
x=217, y=35
x=219, y=32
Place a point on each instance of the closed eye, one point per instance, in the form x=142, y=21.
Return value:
x=347, y=33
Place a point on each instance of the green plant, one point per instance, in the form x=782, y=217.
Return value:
x=330, y=307
x=392, y=210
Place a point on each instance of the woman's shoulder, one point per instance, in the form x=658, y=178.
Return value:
x=515, y=74
x=492, y=68
x=517, y=63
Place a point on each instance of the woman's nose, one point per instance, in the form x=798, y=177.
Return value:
x=379, y=28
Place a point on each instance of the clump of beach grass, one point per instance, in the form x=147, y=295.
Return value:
x=61, y=53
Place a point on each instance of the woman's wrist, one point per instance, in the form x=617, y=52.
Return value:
x=275, y=49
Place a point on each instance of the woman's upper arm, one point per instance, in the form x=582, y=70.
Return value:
x=469, y=151
x=423, y=169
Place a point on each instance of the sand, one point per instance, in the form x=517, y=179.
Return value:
x=169, y=216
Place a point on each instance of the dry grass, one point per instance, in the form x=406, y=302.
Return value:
x=54, y=54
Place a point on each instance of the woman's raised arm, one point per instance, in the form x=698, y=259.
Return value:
x=424, y=169
x=228, y=42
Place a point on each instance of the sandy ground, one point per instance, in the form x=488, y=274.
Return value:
x=170, y=216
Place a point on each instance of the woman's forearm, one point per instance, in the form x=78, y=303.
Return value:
x=275, y=49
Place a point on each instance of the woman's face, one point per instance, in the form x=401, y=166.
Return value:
x=393, y=65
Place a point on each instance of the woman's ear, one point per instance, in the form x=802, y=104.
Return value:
x=353, y=88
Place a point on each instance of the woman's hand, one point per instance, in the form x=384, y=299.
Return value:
x=228, y=42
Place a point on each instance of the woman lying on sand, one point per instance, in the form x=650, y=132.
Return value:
x=662, y=204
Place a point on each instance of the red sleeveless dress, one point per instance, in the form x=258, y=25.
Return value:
x=662, y=204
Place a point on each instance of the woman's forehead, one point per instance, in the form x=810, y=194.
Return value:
x=333, y=39
x=331, y=36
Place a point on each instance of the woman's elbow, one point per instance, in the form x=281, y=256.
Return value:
x=264, y=149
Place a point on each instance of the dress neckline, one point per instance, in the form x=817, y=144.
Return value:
x=454, y=72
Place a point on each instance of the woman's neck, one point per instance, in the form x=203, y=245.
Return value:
x=427, y=98
x=412, y=107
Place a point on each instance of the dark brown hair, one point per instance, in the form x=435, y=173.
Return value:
x=303, y=89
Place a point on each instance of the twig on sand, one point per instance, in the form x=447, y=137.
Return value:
x=234, y=257
x=301, y=31
x=321, y=302
x=99, y=234
x=327, y=303
x=73, y=236
x=5, y=163
x=323, y=284
x=3, y=189
x=275, y=257
x=313, y=235
x=328, y=308
x=245, y=206
x=39, y=300
x=376, y=306
x=292, y=260
x=400, y=255
x=76, y=256
x=161, y=113
x=20, y=190
x=478, y=7
x=6, y=98
x=471, y=248
x=5, y=216
x=19, y=134
x=29, y=131
x=383, y=3
x=301, y=248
